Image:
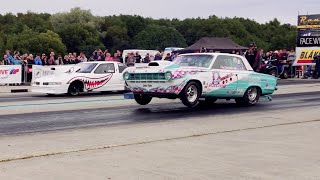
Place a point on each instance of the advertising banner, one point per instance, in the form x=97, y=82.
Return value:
x=42, y=71
x=305, y=55
x=309, y=21
x=10, y=74
x=308, y=39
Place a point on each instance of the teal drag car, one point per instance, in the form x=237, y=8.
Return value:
x=199, y=78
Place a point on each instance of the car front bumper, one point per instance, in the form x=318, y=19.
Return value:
x=50, y=89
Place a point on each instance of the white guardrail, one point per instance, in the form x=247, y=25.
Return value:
x=10, y=74
x=17, y=74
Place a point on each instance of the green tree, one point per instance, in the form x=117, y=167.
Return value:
x=159, y=37
x=78, y=30
x=29, y=41
x=116, y=37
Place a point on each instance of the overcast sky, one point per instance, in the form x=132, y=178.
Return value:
x=260, y=10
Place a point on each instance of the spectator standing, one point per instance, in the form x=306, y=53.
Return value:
x=30, y=59
x=66, y=59
x=120, y=56
x=59, y=61
x=253, y=57
x=17, y=60
x=291, y=56
x=95, y=55
x=116, y=57
x=5, y=60
x=131, y=60
x=11, y=59
x=138, y=57
x=317, y=67
x=37, y=60
x=51, y=60
x=108, y=57
x=83, y=57
x=147, y=58
x=72, y=60
x=158, y=57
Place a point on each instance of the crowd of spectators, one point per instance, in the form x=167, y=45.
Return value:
x=41, y=59
x=16, y=58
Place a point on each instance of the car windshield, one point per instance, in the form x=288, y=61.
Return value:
x=86, y=67
x=194, y=60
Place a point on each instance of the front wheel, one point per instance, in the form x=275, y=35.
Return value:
x=250, y=98
x=74, y=89
x=190, y=94
x=142, y=99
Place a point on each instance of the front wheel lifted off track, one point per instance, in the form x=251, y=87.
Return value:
x=190, y=94
x=142, y=99
x=250, y=98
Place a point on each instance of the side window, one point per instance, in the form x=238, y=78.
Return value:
x=122, y=67
x=229, y=63
x=105, y=68
x=239, y=64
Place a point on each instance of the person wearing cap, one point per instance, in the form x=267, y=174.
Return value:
x=253, y=57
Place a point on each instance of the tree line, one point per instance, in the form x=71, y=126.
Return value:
x=80, y=31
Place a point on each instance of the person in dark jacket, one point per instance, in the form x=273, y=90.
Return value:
x=317, y=67
x=253, y=57
x=138, y=57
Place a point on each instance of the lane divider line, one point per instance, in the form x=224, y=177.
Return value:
x=61, y=103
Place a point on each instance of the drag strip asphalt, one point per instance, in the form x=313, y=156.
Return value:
x=111, y=116
x=35, y=97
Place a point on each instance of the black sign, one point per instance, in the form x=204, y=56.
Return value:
x=308, y=31
x=309, y=21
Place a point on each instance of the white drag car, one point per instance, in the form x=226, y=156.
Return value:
x=83, y=77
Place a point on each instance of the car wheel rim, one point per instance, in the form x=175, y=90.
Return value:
x=252, y=94
x=74, y=91
x=192, y=93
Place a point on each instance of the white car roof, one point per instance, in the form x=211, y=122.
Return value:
x=244, y=60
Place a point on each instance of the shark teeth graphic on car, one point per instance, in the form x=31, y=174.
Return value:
x=92, y=83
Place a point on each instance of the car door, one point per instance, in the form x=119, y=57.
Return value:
x=118, y=76
x=105, y=78
x=243, y=77
x=224, y=76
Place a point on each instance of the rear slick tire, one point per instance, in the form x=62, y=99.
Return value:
x=250, y=98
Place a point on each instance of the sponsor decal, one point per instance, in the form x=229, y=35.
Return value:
x=218, y=81
x=305, y=56
x=309, y=21
x=5, y=73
